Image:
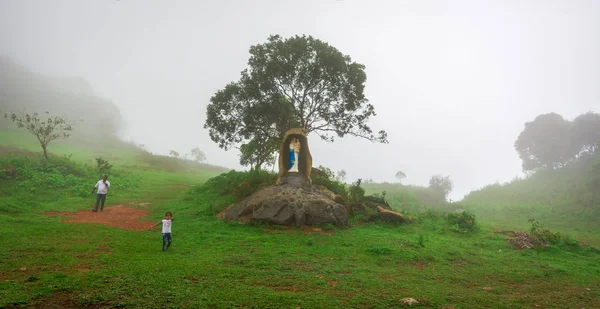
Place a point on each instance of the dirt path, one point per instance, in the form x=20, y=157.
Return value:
x=119, y=216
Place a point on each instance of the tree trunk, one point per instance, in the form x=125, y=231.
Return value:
x=45, y=152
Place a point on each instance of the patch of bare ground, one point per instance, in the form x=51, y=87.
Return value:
x=142, y=204
x=118, y=216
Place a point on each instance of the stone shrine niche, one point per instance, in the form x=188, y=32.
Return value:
x=295, y=160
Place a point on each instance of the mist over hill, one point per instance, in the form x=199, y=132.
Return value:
x=22, y=90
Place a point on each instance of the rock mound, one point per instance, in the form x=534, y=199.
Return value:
x=522, y=240
x=293, y=202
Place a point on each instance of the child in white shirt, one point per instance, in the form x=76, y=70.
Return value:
x=166, y=230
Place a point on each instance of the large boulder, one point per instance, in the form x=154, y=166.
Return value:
x=392, y=216
x=294, y=202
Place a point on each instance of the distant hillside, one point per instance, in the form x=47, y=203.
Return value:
x=407, y=197
x=74, y=98
x=566, y=199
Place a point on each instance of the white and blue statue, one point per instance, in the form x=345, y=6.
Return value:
x=294, y=155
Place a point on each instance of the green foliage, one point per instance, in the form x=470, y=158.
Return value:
x=198, y=155
x=102, y=166
x=330, y=174
x=45, y=130
x=551, y=141
x=296, y=82
x=565, y=199
x=258, y=152
x=356, y=193
x=379, y=250
x=462, y=222
x=240, y=184
x=441, y=185
x=281, y=267
x=58, y=175
x=542, y=234
x=330, y=184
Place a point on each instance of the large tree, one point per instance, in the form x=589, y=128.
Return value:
x=545, y=142
x=585, y=134
x=295, y=82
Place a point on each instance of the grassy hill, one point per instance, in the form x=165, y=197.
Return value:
x=48, y=263
x=566, y=200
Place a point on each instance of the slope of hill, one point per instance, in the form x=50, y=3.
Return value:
x=566, y=200
x=56, y=259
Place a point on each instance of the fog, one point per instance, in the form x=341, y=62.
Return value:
x=453, y=82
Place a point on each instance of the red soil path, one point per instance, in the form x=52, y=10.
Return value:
x=119, y=216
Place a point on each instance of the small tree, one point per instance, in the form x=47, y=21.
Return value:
x=46, y=130
x=341, y=175
x=174, y=153
x=102, y=166
x=400, y=175
x=442, y=185
x=198, y=155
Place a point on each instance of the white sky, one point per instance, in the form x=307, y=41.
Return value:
x=453, y=82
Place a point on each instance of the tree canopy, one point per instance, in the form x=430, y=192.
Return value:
x=442, y=185
x=400, y=175
x=44, y=129
x=552, y=141
x=295, y=82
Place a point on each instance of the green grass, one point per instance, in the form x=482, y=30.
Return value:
x=213, y=264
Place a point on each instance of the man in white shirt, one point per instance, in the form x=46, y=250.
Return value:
x=102, y=185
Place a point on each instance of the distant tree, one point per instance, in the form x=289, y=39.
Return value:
x=198, y=155
x=341, y=175
x=545, y=142
x=295, y=82
x=400, y=175
x=258, y=153
x=102, y=166
x=142, y=147
x=327, y=171
x=585, y=134
x=174, y=153
x=45, y=130
x=442, y=185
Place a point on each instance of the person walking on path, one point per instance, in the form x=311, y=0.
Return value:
x=102, y=185
x=166, y=230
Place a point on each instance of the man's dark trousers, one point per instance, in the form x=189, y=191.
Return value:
x=100, y=198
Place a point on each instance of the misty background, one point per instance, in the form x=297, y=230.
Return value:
x=453, y=82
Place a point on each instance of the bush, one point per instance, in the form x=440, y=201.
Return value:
x=240, y=184
x=542, y=234
x=102, y=166
x=356, y=193
x=462, y=222
x=331, y=185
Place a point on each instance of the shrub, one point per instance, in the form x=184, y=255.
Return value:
x=102, y=166
x=240, y=184
x=332, y=185
x=542, y=234
x=462, y=222
x=356, y=193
